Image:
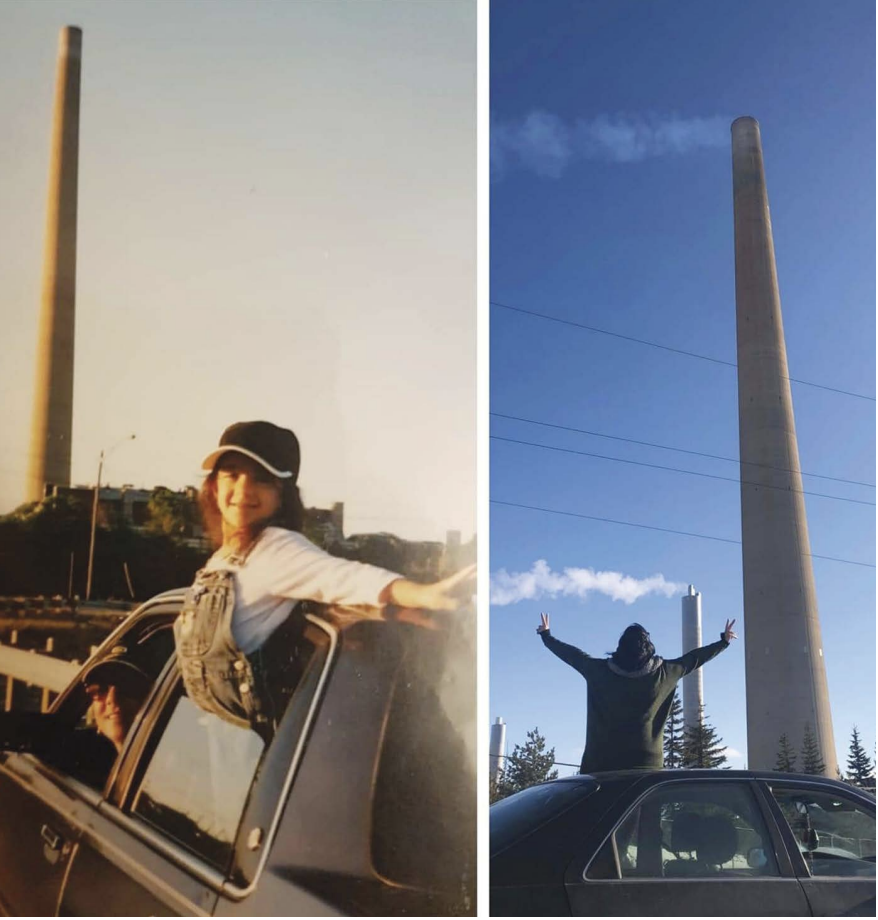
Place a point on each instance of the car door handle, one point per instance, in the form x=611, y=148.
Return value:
x=55, y=847
x=51, y=838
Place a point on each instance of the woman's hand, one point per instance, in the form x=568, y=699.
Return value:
x=544, y=624
x=449, y=594
x=728, y=635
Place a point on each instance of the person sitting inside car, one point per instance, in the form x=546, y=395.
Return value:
x=85, y=740
x=629, y=696
x=117, y=689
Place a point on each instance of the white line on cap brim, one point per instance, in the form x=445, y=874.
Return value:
x=210, y=460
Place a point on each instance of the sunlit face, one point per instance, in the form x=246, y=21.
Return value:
x=113, y=711
x=246, y=493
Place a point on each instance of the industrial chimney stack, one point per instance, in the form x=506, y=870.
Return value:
x=786, y=675
x=497, y=750
x=52, y=421
x=693, y=684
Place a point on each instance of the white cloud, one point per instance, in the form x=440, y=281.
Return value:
x=541, y=581
x=546, y=144
x=733, y=754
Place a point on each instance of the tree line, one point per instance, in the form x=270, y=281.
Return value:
x=860, y=768
x=44, y=548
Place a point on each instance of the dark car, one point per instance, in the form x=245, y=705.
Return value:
x=690, y=843
x=361, y=801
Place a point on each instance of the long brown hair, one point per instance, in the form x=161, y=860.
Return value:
x=290, y=515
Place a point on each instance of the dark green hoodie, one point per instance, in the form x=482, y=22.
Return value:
x=627, y=710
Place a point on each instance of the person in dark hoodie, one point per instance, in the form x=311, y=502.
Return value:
x=629, y=696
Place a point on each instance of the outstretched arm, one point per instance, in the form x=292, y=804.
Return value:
x=570, y=654
x=448, y=594
x=699, y=656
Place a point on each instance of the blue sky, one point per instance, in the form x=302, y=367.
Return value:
x=611, y=206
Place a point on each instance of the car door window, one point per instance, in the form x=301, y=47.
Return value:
x=197, y=781
x=78, y=742
x=689, y=830
x=834, y=833
x=199, y=768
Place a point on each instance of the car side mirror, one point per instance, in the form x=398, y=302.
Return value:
x=756, y=858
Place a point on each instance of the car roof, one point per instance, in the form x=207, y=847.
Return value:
x=678, y=774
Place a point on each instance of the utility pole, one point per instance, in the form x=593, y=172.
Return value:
x=94, y=516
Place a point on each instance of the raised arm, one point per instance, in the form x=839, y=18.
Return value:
x=569, y=654
x=698, y=656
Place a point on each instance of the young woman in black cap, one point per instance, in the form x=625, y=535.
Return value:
x=263, y=565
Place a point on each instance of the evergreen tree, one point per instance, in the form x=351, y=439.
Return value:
x=786, y=756
x=674, y=735
x=526, y=766
x=702, y=746
x=861, y=771
x=812, y=762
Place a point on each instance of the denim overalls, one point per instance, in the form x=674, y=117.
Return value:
x=218, y=676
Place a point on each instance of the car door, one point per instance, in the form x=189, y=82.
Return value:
x=160, y=844
x=184, y=816
x=690, y=847
x=49, y=795
x=831, y=835
x=42, y=813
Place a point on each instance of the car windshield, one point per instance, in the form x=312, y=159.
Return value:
x=516, y=816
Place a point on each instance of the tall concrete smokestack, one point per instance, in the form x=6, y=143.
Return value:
x=693, y=684
x=497, y=750
x=786, y=676
x=52, y=422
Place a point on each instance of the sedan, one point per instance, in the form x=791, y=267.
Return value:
x=360, y=799
x=691, y=843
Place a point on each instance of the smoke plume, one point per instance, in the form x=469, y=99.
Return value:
x=541, y=581
x=545, y=144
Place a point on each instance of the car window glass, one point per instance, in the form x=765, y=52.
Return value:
x=834, y=833
x=197, y=782
x=199, y=775
x=689, y=830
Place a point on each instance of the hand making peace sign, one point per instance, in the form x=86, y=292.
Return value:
x=728, y=635
x=544, y=623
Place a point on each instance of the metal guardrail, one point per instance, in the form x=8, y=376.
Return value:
x=52, y=674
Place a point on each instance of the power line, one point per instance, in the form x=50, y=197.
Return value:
x=514, y=759
x=700, y=536
x=679, y=351
x=681, y=450
x=675, y=469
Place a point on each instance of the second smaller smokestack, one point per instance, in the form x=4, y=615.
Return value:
x=497, y=751
x=693, y=686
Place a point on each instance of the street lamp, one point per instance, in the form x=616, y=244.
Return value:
x=94, y=513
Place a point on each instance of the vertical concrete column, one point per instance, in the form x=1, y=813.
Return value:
x=786, y=676
x=52, y=421
x=693, y=684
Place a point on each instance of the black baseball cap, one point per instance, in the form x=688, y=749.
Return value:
x=117, y=670
x=277, y=449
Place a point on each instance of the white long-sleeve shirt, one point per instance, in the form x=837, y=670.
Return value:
x=284, y=567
